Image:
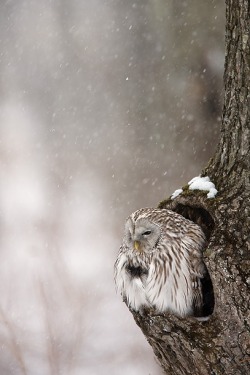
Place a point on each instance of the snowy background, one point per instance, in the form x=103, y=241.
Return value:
x=106, y=106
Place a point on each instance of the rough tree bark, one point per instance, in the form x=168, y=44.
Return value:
x=220, y=345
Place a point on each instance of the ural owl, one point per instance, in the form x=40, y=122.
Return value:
x=160, y=263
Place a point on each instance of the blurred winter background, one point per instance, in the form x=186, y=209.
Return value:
x=105, y=106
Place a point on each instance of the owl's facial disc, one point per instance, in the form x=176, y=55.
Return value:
x=142, y=235
x=146, y=235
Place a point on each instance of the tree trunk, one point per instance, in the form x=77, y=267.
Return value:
x=221, y=344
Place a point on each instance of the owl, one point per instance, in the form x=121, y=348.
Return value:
x=160, y=263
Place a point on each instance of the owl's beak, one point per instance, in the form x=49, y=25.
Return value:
x=137, y=246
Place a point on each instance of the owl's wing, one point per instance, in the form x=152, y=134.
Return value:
x=120, y=271
x=194, y=241
x=169, y=286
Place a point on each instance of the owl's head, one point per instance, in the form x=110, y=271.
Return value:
x=142, y=235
